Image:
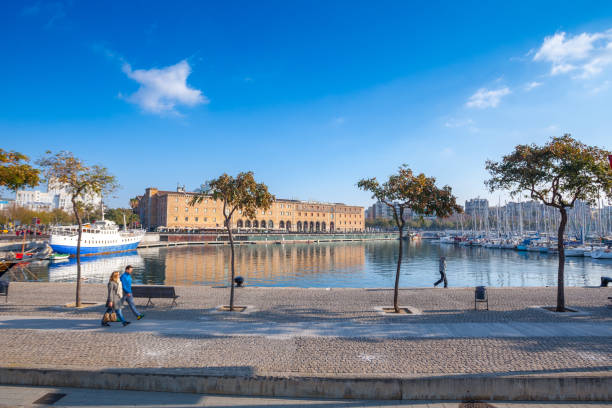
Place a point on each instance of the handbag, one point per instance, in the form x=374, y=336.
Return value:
x=109, y=317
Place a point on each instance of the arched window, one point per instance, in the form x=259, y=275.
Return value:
x=299, y=226
x=288, y=225
x=255, y=224
x=311, y=226
x=239, y=224
x=270, y=224
x=247, y=224
x=318, y=226
x=281, y=224
x=263, y=224
x=323, y=226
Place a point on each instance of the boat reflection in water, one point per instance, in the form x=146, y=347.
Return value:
x=94, y=269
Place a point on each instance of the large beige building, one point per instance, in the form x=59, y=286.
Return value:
x=172, y=209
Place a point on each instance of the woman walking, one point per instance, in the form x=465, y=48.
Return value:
x=113, y=300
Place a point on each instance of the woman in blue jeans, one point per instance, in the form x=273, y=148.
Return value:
x=113, y=299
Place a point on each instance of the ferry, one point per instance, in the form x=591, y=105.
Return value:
x=100, y=237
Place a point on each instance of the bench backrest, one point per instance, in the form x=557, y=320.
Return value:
x=154, y=291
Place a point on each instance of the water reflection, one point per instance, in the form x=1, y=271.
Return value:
x=94, y=269
x=342, y=264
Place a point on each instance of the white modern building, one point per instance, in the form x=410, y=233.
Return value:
x=56, y=197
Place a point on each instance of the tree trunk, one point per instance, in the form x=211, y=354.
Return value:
x=397, y=274
x=231, y=240
x=78, y=253
x=560, y=276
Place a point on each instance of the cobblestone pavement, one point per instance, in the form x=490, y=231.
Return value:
x=312, y=355
x=11, y=396
x=333, y=305
x=304, y=356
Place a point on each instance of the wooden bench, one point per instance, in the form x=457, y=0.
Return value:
x=155, y=292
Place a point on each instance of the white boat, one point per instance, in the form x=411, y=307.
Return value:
x=100, y=237
x=575, y=251
x=602, y=254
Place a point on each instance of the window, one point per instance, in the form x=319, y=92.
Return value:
x=263, y=212
x=205, y=209
x=176, y=199
x=214, y=220
x=205, y=219
x=214, y=210
x=196, y=219
x=186, y=218
x=175, y=209
x=186, y=209
x=175, y=218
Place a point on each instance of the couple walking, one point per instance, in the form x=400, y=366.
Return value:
x=119, y=291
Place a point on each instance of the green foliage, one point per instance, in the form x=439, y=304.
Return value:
x=116, y=215
x=15, y=172
x=419, y=193
x=557, y=174
x=24, y=216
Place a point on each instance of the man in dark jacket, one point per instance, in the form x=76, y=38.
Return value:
x=126, y=282
x=442, y=273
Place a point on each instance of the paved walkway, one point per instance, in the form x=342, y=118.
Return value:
x=11, y=396
x=217, y=328
x=314, y=332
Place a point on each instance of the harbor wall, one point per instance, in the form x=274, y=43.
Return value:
x=162, y=239
x=512, y=388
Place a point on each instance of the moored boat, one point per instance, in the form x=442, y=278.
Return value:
x=101, y=237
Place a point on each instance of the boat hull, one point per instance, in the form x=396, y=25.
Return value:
x=94, y=250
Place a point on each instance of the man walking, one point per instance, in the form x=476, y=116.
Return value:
x=126, y=282
x=442, y=273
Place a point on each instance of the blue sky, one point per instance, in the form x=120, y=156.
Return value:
x=311, y=96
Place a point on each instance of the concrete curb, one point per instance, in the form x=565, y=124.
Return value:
x=431, y=388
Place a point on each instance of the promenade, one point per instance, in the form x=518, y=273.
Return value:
x=326, y=333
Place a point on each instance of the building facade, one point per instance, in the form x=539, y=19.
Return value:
x=56, y=197
x=172, y=209
x=477, y=207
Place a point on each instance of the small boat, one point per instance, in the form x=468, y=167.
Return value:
x=575, y=251
x=55, y=257
x=602, y=254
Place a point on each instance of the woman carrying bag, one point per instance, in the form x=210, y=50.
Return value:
x=113, y=302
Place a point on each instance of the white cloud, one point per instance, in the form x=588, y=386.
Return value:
x=486, y=98
x=532, y=85
x=161, y=90
x=586, y=53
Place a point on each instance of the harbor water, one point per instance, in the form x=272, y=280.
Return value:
x=370, y=264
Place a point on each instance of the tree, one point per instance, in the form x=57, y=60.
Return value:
x=117, y=215
x=241, y=193
x=557, y=174
x=15, y=172
x=405, y=191
x=80, y=181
